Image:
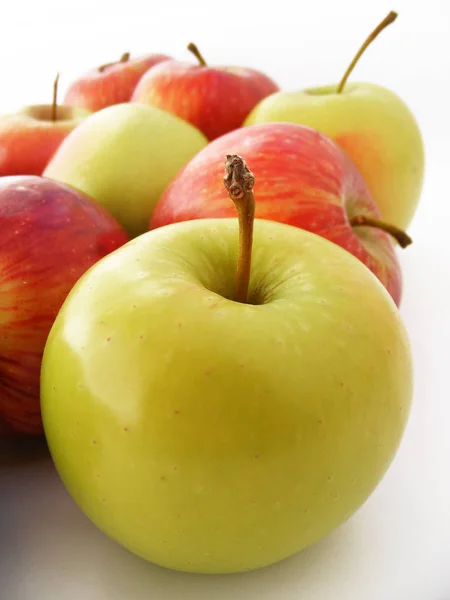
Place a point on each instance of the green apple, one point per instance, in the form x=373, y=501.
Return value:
x=372, y=124
x=124, y=156
x=208, y=434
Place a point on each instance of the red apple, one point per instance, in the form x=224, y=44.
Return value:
x=29, y=138
x=197, y=93
x=109, y=84
x=307, y=181
x=50, y=235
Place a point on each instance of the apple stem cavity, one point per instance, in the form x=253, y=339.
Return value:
x=55, y=99
x=124, y=58
x=365, y=221
x=196, y=52
x=390, y=18
x=239, y=182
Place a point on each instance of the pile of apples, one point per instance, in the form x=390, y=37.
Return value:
x=199, y=302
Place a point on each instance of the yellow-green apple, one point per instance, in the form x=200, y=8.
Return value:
x=306, y=181
x=111, y=83
x=50, y=235
x=30, y=137
x=372, y=124
x=196, y=93
x=213, y=427
x=124, y=156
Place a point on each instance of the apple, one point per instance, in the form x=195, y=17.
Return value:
x=124, y=156
x=372, y=124
x=216, y=411
x=306, y=181
x=111, y=83
x=196, y=93
x=50, y=235
x=30, y=137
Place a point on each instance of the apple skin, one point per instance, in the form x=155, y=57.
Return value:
x=305, y=180
x=50, y=236
x=114, y=84
x=29, y=138
x=374, y=126
x=211, y=436
x=124, y=156
x=216, y=100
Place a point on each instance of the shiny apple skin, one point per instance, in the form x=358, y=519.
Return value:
x=50, y=235
x=114, y=84
x=216, y=100
x=304, y=179
x=210, y=436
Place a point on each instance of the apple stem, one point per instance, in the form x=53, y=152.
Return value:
x=55, y=98
x=390, y=18
x=239, y=182
x=196, y=52
x=365, y=221
x=124, y=58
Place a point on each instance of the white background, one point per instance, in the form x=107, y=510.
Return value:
x=397, y=547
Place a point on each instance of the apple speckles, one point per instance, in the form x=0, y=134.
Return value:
x=176, y=412
x=323, y=301
x=256, y=456
x=94, y=442
x=162, y=478
x=307, y=287
x=335, y=497
x=141, y=336
x=330, y=478
x=125, y=429
x=174, y=468
x=108, y=339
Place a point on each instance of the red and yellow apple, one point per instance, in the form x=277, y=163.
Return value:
x=50, y=235
x=112, y=83
x=30, y=137
x=372, y=124
x=305, y=180
x=197, y=93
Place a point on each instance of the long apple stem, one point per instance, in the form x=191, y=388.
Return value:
x=55, y=99
x=196, y=52
x=239, y=182
x=124, y=58
x=390, y=18
x=365, y=221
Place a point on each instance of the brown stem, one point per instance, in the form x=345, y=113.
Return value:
x=124, y=58
x=239, y=182
x=365, y=221
x=55, y=98
x=196, y=52
x=390, y=18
